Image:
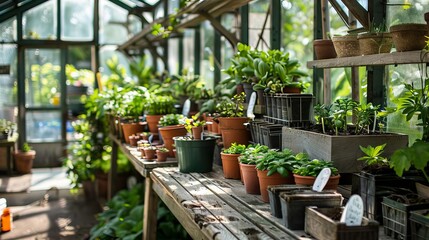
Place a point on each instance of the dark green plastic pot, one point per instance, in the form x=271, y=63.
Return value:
x=195, y=155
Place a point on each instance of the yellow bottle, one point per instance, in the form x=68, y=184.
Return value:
x=6, y=220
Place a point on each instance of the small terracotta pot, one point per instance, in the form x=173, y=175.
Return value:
x=231, y=167
x=131, y=129
x=324, y=49
x=133, y=140
x=250, y=178
x=196, y=132
x=275, y=179
x=149, y=154
x=161, y=156
x=152, y=122
x=309, y=181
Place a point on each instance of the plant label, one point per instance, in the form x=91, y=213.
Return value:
x=150, y=138
x=251, y=106
x=186, y=107
x=353, y=211
x=321, y=180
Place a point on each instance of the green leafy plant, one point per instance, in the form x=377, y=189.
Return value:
x=192, y=122
x=171, y=119
x=26, y=147
x=233, y=107
x=312, y=168
x=159, y=105
x=252, y=154
x=162, y=149
x=416, y=156
x=282, y=162
x=235, y=148
x=373, y=155
x=133, y=102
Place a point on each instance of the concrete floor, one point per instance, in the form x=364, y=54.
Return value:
x=43, y=207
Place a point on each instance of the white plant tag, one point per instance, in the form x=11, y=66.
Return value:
x=186, y=107
x=353, y=211
x=321, y=180
x=251, y=106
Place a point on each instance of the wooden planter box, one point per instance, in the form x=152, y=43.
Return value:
x=342, y=150
x=320, y=224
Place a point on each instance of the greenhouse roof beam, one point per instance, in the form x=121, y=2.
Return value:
x=222, y=30
x=16, y=9
x=343, y=15
x=358, y=11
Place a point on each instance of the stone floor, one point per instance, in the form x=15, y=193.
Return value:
x=44, y=208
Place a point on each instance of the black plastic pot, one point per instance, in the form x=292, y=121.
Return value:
x=195, y=155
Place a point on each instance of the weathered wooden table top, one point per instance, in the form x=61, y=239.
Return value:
x=212, y=207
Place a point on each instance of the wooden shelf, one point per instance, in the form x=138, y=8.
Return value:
x=372, y=60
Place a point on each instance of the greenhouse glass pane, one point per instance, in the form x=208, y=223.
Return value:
x=188, y=50
x=8, y=90
x=258, y=13
x=173, y=56
x=8, y=30
x=159, y=11
x=40, y=22
x=227, y=52
x=42, y=77
x=410, y=12
x=43, y=126
x=113, y=23
x=135, y=25
x=159, y=63
x=172, y=6
x=207, y=55
x=77, y=17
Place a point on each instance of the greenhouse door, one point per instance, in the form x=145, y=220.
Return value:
x=44, y=111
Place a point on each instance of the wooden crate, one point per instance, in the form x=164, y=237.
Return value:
x=320, y=224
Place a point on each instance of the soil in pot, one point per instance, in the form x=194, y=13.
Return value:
x=324, y=49
x=375, y=43
x=409, y=37
x=273, y=180
x=346, y=46
x=250, y=178
x=231, y=167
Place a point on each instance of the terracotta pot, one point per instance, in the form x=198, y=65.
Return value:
x=409, y=37
x=324, y=49
x=209, y=119
x=346, y=46
x=250, y=178
x=196, y=132
x=133, y=139
x=215, y=127
x=149, y=154
x=234, y=131
x=152, y=122
x=291, y=90
x=375, y=43
x=161, y=156
x=131, y=129
x=275, y=179
x=231, y=167
x=168, y=132
x=308, y=181
x=24, y=161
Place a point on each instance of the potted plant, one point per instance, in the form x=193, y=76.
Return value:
x=324, y=48
x=376, y=40
x=161, y=154
x=157, y=106
x=195, y=126
x=248, y=167
x=231, y=121
x=346, y=45
x=307, y=171
x=195, y=155
x=131, y=109
x=230, y=165
x=149, y=152
x=377, y=180
x=171, y=125
x=275, y=168
x=409, y=36
x=334, y=139
x=24, y=159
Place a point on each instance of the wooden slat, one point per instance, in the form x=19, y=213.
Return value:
x=358, y=11
x=393, y=58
